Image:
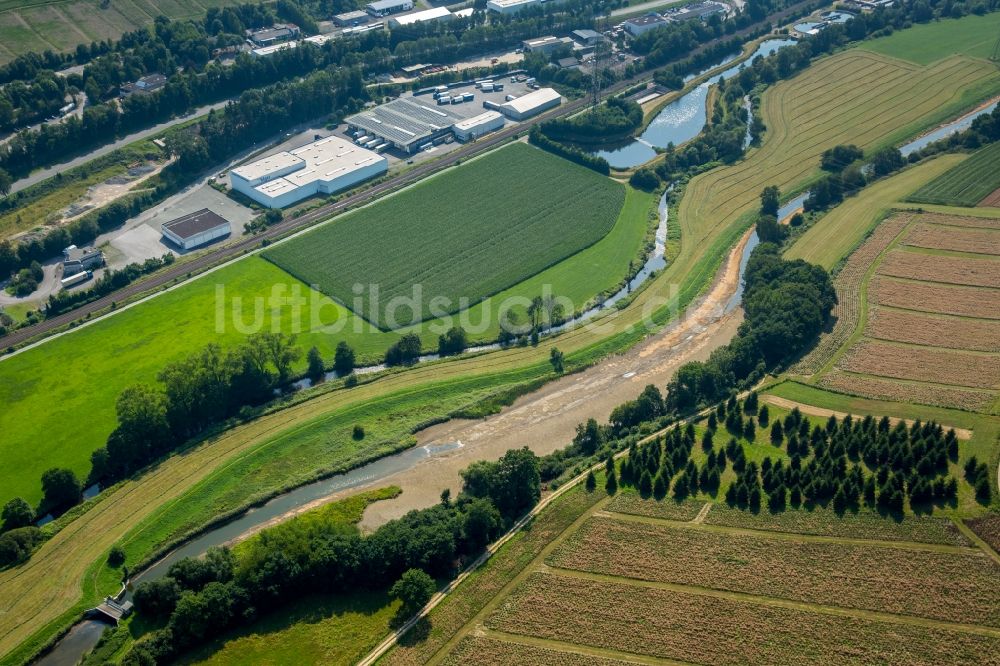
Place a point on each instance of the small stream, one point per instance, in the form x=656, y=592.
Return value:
x=84, y=635
x=683, y=119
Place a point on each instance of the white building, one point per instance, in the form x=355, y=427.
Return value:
x=194, y=229
x=475, y=127
x=546, y=45
x=381, y=8
x=436, y=14
x=644, y=24
x=531, y=104
x=271, y=50
x=510, y=6
x=319, y=40
x=464, y=13
x=322, y=167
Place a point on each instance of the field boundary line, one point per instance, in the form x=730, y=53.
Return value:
x=778, y=602
x=790, y=536
x=580, y=649
x=975, y=538
x=811, y=410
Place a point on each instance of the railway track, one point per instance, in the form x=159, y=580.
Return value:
x=189, y=269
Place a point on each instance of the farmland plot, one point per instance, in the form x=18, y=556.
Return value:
x=992, y=199
x=924, y=364
x=824, y=522
x=939, y=298
x=987, y=528
x=925, y=394
x=722, y=629
x=969, y=271
x=629, y=502
x=937, y=331
x=967, y=183
x=466, y=234
x=935, y=237
x=957, y=586
x=486, y=651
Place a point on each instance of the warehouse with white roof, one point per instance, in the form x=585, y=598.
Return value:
x=531, y=104
x=325, y=166
x=475, y=127
x=404, y=123
x=435, y=14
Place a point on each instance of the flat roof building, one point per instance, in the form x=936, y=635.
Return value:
x=464, y=13
x=404, y=123
x=319, y=40
x=145, y=85
x=531, y=104
x=475, y=127
x=436, y=14
x=698, y=10
x=386, y=7
x=546, y=44
x=587, y=37
x=357, y=17
x=325, y=166
x=279, y=32
x=643, y=24
x=271, y=50
x=510, y=6
x=197, y=228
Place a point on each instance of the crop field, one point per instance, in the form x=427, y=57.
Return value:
x=924, y=364
x=630, y=502
x=992, y=199
x=834, y=102
x=486, y=651
x=459, y=237
x=913, y=392
x=934, y=330
x=37, y=25
x=968, y=183
x=969, y=271
x=987, y=528
x=936, y=298
x=824, y=522
x=834, y=236
x=709, y=628
x=923, y=44
x=816, y=570
x=955, y=239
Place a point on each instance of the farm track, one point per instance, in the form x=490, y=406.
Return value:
x=235, y=250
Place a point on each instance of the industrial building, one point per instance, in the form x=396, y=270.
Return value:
x=404, y=123
x=145, y=85
x=436, y=14
x=279, y=32
x=531, y=104
x=464, y=13
x=381, y=8
x=79, y=259
x=271, y=50
x=587, y=37
x=510, y=6
x=643, y=24
x=195, y=229
x=319, y=40
x=545, y=45
x=698, y=10
x=347, y=19
x=475, y=127
x=325, y=166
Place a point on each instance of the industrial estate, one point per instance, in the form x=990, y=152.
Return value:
x=511, y=332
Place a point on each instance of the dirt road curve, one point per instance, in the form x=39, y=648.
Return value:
x=233, y=250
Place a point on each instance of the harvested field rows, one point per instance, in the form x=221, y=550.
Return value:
x=824, y=522
x=486, y=651
x=936, y=237
x=719, y=630
x=923, y=364
x=967, y=183
x=937, y=331
x=925, y=394
x=939, y=298
x=951, y=586
x=846, y=312
x=987, y=528
x=853, y=97
x=632, y=503
x=992, y=200
x=960, y=221
x=974, y=272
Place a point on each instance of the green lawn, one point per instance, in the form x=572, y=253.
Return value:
x=976, y=36
x=966, y=184
x=459, y=237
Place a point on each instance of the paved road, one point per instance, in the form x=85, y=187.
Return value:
x=185, y=269
x=48, y=172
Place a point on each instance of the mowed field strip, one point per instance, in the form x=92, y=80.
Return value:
x=968, y=183
x=462, y=235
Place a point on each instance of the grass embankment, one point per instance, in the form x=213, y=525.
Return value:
x=460, y=236
x=974, y=36
x=966, y=184
x=706, y=237
x=69, y=413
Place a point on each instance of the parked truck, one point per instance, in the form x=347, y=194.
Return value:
x=76, y=279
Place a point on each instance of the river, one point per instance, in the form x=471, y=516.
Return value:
x=683, y=119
